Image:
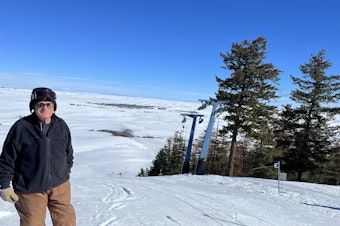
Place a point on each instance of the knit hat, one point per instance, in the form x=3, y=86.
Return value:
x=42, y=94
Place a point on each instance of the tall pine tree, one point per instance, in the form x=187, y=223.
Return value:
x=310, y=130
x=247, y=92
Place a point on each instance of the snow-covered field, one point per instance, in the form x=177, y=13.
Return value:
x=106, y=191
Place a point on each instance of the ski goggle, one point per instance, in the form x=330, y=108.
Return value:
x=42, y=105
x=42, y=94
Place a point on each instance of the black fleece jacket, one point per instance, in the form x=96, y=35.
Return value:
x=33, y=161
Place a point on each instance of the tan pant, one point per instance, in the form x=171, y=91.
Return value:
x=31, y=207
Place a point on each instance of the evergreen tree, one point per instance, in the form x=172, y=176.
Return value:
x=247, y=92
x=309, y=124
x=160, y=163
x=143, y=172
x=330, y=171
x=217, y=157
x=287, y=130
x=170, y=158
x=264, y=151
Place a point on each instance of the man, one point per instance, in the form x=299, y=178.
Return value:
x=36, y=160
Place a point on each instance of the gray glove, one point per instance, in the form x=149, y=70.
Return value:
x=9, y=195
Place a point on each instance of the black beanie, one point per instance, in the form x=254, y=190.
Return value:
x=42, y=94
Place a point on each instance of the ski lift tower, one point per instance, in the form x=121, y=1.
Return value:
x=200, y=168
x=186, y=164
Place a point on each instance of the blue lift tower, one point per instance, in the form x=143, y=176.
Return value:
x=186, y=164
x=201, y=165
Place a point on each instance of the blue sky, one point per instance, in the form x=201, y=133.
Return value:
x=167, y=49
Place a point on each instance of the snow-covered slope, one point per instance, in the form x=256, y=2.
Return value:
x=106, y=191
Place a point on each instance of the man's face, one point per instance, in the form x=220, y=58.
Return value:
x=44, y=110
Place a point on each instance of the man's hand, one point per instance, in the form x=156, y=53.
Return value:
x=9, y=195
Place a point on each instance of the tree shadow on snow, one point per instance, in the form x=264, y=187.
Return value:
x=317, y=205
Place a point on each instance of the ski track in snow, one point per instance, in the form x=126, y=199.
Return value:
x=128, y=201
x=189, y=199
x=143, y=195
x=110, y=197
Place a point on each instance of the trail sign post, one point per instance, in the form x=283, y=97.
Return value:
x=277, y=166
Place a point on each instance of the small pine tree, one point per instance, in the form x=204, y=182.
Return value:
x=143, y=173
x=217, y=157
x=170, y=158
